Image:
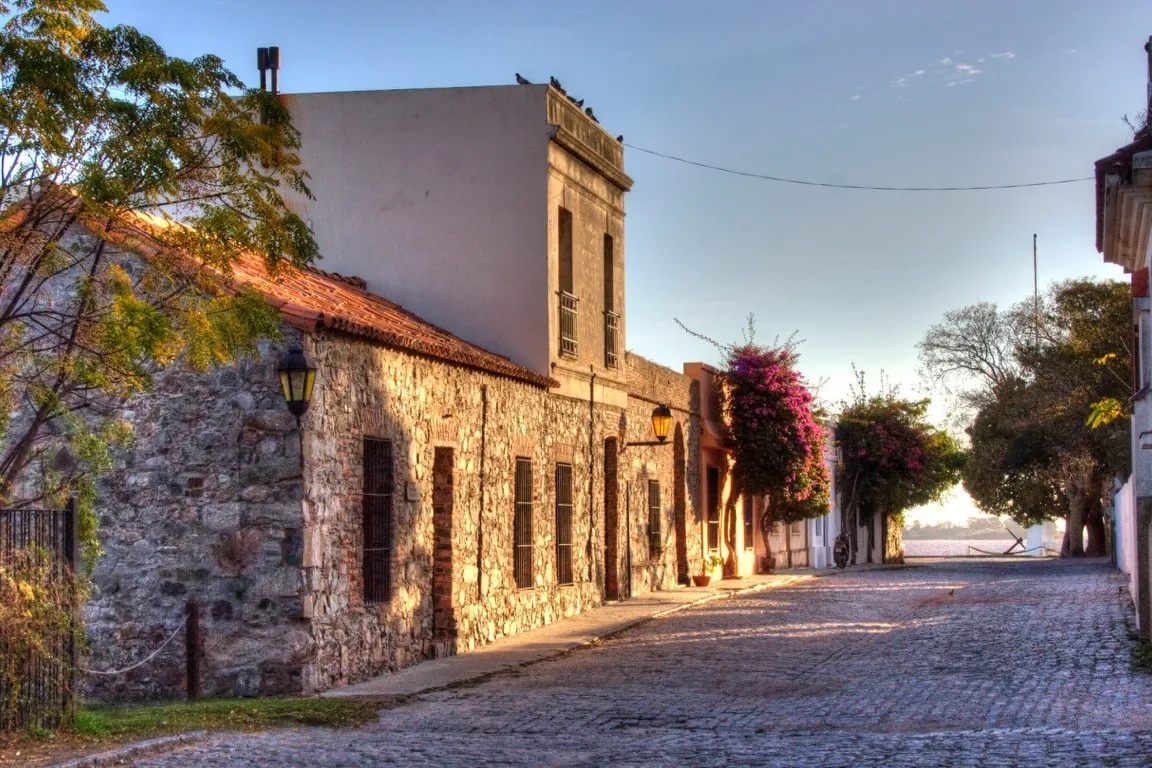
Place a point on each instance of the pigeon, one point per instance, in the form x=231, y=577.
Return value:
x=556, y=84
x=588, y=111
x=522, y=80
x=579, y=103
x=620, y=138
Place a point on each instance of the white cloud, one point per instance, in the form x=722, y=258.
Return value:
x=1070, y=51
x=1005, y=56
x=959, y=82
x=967, y=69
x=918, y=73
x=899, y=82
x=946, y=61
x=855, y=98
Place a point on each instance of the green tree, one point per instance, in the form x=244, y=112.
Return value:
x=1046, y=439
x=892, y=458
x=107, y=142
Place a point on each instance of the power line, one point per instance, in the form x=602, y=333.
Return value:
x=874, y=188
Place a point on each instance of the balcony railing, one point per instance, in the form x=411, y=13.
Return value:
x=568, y=324
x=611, y=338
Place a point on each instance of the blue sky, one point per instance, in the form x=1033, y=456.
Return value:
x=893, y=93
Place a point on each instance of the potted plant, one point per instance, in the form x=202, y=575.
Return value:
x=711, y=563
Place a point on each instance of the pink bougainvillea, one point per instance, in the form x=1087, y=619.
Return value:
x=777, y=440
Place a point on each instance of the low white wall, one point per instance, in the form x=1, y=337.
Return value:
x=1124, y=512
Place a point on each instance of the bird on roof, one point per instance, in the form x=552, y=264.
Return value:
x=620, y=138
x=588, y=111
x=579, y=102
x=556, y=84
x=521, y=80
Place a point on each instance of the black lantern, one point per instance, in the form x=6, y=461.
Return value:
x=297, y=375
x=661, y=422
x=661, y=426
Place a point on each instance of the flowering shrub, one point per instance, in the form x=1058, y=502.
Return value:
x=777, y=441
x=892, y=459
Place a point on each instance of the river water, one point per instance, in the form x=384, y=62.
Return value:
x=952, y=547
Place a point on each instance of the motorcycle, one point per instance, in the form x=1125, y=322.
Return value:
x=840, y=550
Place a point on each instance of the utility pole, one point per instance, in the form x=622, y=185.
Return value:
x=1035, y=295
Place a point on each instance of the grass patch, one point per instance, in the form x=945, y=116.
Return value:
x=215, y=714
x=102, y=727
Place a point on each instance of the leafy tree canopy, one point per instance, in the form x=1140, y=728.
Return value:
x=107, y=140
x=892, y=458
x=1046, y=438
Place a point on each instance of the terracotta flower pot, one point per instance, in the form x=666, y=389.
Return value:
x=701, y=581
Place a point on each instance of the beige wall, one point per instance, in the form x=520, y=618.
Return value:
x=437, y=198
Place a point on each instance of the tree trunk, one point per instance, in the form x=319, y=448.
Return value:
x=1076, y=504
x=1097, y=543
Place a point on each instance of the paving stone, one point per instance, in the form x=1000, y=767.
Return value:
x=959, y=663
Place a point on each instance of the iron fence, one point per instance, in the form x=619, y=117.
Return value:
x=36, y=683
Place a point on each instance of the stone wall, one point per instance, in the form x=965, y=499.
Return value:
x=420, y=404
x=210, y=504
x=206, y=505
x=680, y=552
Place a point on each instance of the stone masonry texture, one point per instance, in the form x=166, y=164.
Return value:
x=211, y=504
x=957, y=663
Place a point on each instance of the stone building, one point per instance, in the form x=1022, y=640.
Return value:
x=436, y=495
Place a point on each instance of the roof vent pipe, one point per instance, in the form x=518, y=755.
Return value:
x=262, y=65
x=274, y=65
x=1148, y=48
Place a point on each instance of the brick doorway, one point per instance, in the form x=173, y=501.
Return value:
x=611, y=522
x=443, y=496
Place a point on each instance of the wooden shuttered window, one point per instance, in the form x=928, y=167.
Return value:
x=377, y=522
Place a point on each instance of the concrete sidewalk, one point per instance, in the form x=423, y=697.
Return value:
x=527, y=647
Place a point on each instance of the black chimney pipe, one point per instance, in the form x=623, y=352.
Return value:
x=274, y=65
x=262, y=65
x=1148, y=48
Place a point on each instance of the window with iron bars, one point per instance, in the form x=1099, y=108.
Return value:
x=567, y=276
x=564, y=524
x=522, y=526
x=611, y=318
x=568, y=317
x=655, y=541
x=377, y=520
x=611, y=339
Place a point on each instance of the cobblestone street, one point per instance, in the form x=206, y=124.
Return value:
x=951, y=663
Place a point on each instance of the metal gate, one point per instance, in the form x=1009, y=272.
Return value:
x=36, y=685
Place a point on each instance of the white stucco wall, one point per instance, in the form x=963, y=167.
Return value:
x=437, y=198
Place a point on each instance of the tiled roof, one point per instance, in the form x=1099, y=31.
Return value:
x=1119, y=162
x=310, y=298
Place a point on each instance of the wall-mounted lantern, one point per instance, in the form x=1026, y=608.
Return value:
x=297, y=376
x=661, y=426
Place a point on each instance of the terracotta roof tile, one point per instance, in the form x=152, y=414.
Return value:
x=310, y=298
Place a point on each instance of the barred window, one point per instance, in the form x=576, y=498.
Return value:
x=564, y=523
x=749, y=514
x=522, y=525
x=655, y=541
x=377, y=520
